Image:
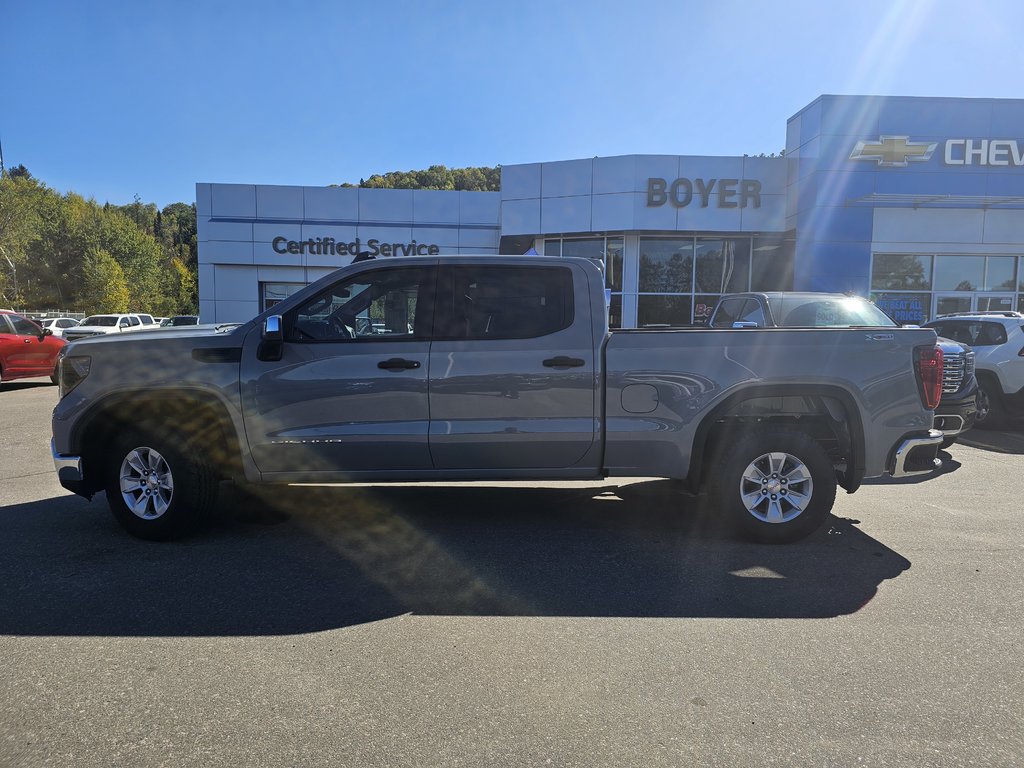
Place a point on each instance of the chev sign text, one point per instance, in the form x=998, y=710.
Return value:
x=983, y=152
x=728, y=193
x=328, y=245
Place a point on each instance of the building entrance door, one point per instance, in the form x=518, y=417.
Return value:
x=950, y=303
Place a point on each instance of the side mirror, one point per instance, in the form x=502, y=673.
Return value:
x=744, y=324
x=271, y=339
x=46, y=332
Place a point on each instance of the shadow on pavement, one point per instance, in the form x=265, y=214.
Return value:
x=343, y=556
x=998, y=442
x=10, y=386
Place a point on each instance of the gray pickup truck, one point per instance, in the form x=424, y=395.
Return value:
x=465, y=368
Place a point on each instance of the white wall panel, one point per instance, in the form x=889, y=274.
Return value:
x=204, y=203
x=334, y=203
x=236, y=311
x=233, y=200
x=1005, y=226
x=279, y=202
x=480, y=208
x=236, y=283
x=929, y=225
x=519, y=182
x=431, y=206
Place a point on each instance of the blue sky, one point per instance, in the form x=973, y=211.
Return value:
x=113, y=99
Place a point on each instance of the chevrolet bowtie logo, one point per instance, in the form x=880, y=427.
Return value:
x=893, y=151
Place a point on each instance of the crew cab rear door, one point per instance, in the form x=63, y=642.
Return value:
x=512, y=368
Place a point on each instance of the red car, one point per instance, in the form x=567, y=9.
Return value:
x=26, y=349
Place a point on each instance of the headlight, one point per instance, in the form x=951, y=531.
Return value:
x=71, y=369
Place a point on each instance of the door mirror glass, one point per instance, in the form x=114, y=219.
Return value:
x=272, y=329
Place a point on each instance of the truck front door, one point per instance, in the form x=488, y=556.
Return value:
x=512, y=370
x=349, y=393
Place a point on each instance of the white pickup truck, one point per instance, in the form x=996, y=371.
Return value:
x=103, y=325
x=464, y=368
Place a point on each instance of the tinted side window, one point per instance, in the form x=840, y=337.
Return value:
x=377, y=305
x=727, y=313
x=508, y=302
x=753, y=312
x=5, y=326
x=974, y=333
x=134, y=321
x=24, y=327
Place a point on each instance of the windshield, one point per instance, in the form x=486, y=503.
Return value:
x=816, y=312
x=100, y=320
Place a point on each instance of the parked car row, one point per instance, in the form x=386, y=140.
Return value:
x=30, y=348
x=102, y=325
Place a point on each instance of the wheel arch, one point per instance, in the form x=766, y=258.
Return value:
x=828, y=405
x=199, y=414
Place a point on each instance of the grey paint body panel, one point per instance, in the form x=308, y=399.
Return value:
x=491, y=409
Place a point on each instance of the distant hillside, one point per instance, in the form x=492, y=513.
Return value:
x=481, y=179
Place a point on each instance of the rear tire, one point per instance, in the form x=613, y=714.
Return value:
x=158, y=488
x=776, y=485
x=990, y=407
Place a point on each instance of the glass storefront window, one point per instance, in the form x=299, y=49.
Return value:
x=723, y=266
x=901, y=272
x=904, y=308
x=663, y=310
x=666, y=265
x=959, y=273
x=999, y=273
x=273, y=293
x=704, y=307
x=771, y=267
x=995, y=303
x=615, y=311
x=613, y=264
x=608, y=251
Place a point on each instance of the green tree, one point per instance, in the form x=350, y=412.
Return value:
x=480, y=179
x=103, y=286
x=20, y=222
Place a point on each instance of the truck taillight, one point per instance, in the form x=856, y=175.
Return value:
x=928, y=367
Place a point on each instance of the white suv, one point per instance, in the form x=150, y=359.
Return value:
x=998, y=342
x=99, y=325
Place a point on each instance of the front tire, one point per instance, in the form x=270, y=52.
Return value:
x=157, y=488
x=777, y=486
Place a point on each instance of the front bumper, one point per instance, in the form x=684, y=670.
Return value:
x=69, y=469
x=916, y=454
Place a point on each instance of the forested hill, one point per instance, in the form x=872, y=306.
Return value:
x=66, y=252
x=480, y=179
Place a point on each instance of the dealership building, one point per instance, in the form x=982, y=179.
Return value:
x=917, y=202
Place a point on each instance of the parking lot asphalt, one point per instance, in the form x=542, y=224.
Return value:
x=581, y=624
